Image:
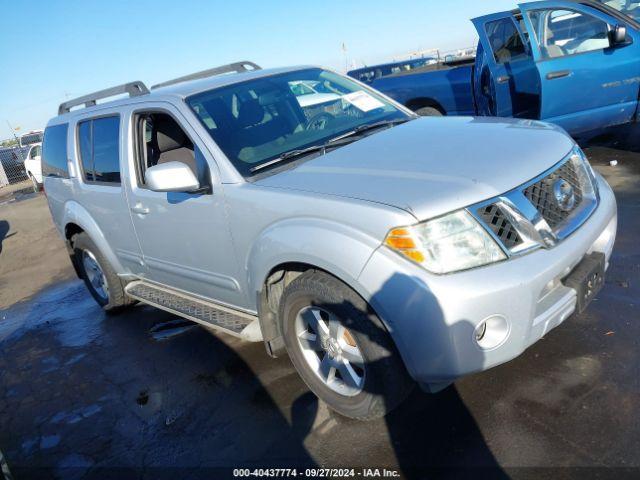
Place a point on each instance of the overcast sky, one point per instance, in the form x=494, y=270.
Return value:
x=55, y=49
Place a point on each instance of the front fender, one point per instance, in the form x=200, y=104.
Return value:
x=77, y=214
x=336, y=248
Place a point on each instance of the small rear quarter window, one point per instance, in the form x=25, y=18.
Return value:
x=54, y=152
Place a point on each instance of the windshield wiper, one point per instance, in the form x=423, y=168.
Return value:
x=290, y=155
x=373, y=126
x=333, y=143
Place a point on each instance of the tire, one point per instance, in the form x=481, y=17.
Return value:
x=429, y=112
x=108, y=291
x=34, y=183
x=371, y=391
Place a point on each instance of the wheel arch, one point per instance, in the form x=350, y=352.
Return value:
x=297, y=245
x=270, y=296
x=421, y=102
x=77, y=220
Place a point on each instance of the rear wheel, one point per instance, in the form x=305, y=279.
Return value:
x=341, y=349
x=429, y=112
x=101, y=280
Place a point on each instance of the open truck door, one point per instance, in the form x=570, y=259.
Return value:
x=588, y=63
x=506, y=82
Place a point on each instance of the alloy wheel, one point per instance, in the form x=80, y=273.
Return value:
x=95, y=275
x=330, y=350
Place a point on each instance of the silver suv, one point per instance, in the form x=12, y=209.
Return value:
x=375, y=248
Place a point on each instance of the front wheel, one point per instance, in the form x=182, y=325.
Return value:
x=341, y=349
x=429, y=112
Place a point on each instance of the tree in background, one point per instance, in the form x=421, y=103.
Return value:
x=12, y=142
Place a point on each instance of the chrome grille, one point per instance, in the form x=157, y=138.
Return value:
x=545, y=210
x=541, y=194
x=501, y=227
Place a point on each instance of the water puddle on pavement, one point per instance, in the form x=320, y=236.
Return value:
x=66, y=308
x=167, y=330
x=18, y=196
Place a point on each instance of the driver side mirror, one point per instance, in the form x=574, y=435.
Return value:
x=171, y=177
x=619, y=35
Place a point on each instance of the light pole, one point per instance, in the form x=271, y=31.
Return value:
x=13, y=132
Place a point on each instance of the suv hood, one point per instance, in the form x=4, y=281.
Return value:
x=431, y=166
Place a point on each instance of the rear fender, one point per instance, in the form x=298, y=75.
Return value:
x=77, y=214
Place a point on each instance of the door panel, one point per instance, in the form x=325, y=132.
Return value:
x=586, y=84
x=106, y=202
x=185, y=237
x=507, y=82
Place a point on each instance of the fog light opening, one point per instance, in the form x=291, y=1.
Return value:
x=492, y=332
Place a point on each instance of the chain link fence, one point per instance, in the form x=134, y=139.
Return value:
x=12, y=169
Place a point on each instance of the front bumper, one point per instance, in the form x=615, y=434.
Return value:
x=433, y=319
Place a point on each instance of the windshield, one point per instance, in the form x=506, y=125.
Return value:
x=260, y=120
x=631, y=8
x=31, y=138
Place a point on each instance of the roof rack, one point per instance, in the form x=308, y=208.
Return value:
x=134, y=89
x=237, y=67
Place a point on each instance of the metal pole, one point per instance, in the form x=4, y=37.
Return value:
x=13, y=132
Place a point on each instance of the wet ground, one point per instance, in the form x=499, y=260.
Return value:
x=146, y=395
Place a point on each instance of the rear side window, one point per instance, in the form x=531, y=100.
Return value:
x=505, y=41
x=99, y=148
x=54, y=152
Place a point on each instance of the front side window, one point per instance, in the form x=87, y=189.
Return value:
x=54, y=152
x=560, y=33
x=630, y=8
x=160, y=139
x=99, y=148
x=257, y=121
x=505, y=41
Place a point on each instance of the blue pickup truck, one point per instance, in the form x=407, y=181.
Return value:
x=575, y=63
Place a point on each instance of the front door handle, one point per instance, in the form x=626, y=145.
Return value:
x=559, y=74
x=503, y=79
x=140, y=209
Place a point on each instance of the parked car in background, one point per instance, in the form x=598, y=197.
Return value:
x=374, y=248
x=12, y=169
x=572, y=63
x=33, y=165
x=369, y=74
x=31, y=138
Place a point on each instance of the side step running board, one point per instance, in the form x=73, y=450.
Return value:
x=237, y=323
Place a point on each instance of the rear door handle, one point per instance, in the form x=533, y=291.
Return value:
x=140, y=209
x=503, y=79
x=559, y=74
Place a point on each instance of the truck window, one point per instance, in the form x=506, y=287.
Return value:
x=54, y=152
x=30, y=138
x=626, y=7
x=505, y=40
x=99, y=147
x=561, y=32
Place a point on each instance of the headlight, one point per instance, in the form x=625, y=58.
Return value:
x=447, y=244
x=586, y=173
